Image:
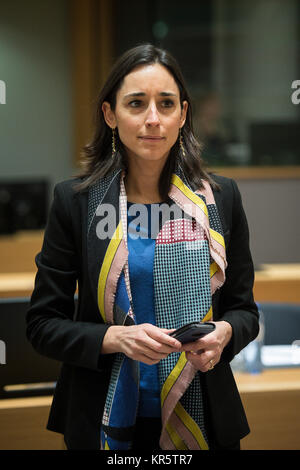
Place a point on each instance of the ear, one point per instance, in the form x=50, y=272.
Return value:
x=183, y=113
x=109, y=115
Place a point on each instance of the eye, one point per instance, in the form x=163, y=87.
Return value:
x=135, y=103
x=167, y=103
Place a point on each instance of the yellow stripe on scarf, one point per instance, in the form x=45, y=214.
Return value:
x=174, y=374
x=213, y=269
x=191, y=426
x=208, y=316
x=175, y=438
x=108, y=259
x=188, y=193
x=217, y=236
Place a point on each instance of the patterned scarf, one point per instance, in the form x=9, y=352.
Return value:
x=189, y=265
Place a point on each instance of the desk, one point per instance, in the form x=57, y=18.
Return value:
x=274, y=283
x=271, y=400
x=16, y=284
x=23, y=425
x=277, y=283
x=272, y=403
x=18, y=251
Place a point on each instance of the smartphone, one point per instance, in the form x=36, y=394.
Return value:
x=192, y=331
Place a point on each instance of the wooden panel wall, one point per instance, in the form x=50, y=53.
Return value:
x=92, y=57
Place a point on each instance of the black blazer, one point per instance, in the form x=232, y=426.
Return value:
x=54, y=330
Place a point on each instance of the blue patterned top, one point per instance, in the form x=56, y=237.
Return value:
x=140, y=263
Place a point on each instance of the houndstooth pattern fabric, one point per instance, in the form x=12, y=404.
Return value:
x=214, y=218
x=113, y=380
x=173, y=309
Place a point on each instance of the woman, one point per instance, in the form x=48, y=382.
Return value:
x=125, y=382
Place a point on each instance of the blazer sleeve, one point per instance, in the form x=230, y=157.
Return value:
x=236, y=302
x=51, y=328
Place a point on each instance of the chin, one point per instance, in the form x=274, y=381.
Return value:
x=154, y=158
x=149, y=153
x=148, y=156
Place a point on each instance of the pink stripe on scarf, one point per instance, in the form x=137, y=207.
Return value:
x=206, y=192
x=209, y=197
x=216, y=281
x=176, y=392
x=188, y=206
x=184, y=432
x=165, y=441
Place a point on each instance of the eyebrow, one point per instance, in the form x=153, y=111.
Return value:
x=141, y=93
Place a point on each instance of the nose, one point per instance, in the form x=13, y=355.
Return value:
x=152, y=118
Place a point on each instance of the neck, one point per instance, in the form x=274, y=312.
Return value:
x=141, y=182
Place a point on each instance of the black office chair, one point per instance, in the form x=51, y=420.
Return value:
x=282, y=322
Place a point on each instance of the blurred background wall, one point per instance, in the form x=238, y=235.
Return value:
x=35, y=63
x=239, y=58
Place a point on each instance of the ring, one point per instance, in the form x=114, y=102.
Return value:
x=211, y=365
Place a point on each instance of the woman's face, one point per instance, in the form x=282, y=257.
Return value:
x=148, y=113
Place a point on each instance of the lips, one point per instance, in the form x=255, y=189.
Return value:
x=151, y=137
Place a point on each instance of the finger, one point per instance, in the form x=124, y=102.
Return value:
x=202, y=360
x=204, y=343
x=192, y=346
x=151, y=347
x=142, y=343
x=197, y=361
x=159, y=347
x=148, y=360
x=210, y=365
x=160, y=337
x=146, y=348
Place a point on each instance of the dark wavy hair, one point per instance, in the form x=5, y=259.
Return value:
x=98, y=160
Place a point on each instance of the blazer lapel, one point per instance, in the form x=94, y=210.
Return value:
x=106, y=250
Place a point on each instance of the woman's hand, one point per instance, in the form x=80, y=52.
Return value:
x=206, y=352
x=145, y=343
